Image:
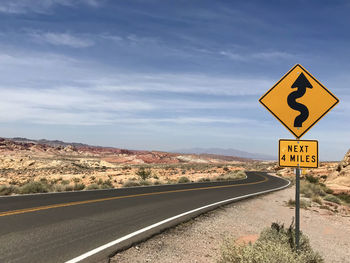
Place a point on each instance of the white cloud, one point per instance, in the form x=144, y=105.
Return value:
x=39, y=6
x=73, y=106
x=273, y=55
x=54, y=89
x=62, y=39
x=65, y=105
x=185, y=83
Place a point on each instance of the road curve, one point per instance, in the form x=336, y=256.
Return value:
x=59, y=227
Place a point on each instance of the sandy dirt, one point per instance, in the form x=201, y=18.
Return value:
x=200, y=239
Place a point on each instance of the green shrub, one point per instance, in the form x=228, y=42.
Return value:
x=325, y=207
x=76, y=180
x=231, y=176
x=34, y=187
x=78, y=187
x=344, y=197
x=8, y=190
x=43, y=180
x=157, y=182
x=275, y=244
x=329, y=191
x=317, y=199
x=68, y=188
x=291, y=202
x=92, y=187
x=145, y=182
x=332, y=198
x=183, y=179
x=58, y=188
x=144, y=173
x=53, y=181
x=108, y=184
x=64, y=182
x=312, y=179
x=309, y=190
x=226, y=169
x=203, y=179
x=131, y=183
x=220, y=178
x=240, y=174
x=304, y=203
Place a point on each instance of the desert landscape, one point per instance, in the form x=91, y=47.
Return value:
x=57, y=166
x=29, y=166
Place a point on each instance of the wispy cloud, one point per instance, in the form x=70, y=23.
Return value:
x=41, y=6
x=271, y=55
x=62, y=39
x=184, y=83
x=131, y=39
x=73, y=106
x=78, y=92
x=64, y=105
x=104, y=79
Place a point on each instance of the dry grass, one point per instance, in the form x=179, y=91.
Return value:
x=79, y=176
x=275, y=244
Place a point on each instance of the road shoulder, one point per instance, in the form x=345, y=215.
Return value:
x=199, y=240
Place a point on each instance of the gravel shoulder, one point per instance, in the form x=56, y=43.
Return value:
x=200, y=239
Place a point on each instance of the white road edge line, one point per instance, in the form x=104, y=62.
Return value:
x=119, y=240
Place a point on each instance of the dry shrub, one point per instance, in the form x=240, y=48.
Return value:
x=34, y=187
x=92, y=187
x=183, y=179
x=8, y=190
x=130, y=183
x=332, y=198
x=275, y=245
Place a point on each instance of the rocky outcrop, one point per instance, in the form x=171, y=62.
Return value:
x=344, y=165
x=339, y=180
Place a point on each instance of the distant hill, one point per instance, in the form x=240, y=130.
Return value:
x=49, y=142
x=227, y=152
x=205, y=152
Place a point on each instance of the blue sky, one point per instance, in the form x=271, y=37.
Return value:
x=164, y=75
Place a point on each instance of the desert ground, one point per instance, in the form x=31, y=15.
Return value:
x=55, y=166
x=29, y=167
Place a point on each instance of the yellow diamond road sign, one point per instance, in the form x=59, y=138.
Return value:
x=298, y=100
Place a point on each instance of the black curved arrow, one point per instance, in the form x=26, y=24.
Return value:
x=301, y=84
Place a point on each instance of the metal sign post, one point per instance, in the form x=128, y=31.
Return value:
x=297, y=206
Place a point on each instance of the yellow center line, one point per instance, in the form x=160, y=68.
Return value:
x=33, y=209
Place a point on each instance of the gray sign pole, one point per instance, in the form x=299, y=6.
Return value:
x=297, y=207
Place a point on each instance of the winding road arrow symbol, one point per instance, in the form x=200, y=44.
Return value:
x=301, y=84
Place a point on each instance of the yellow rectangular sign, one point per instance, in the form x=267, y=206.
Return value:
x=298, y=153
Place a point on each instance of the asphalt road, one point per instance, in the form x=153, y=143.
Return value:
x=61, y=226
